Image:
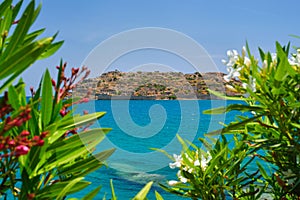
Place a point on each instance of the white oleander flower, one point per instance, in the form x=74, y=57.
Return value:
x=288, y=175
x=177, y=163
x=295, y=59
x=181, y=178
x=196, y=163
x=187, y=169
x=204, y=161
x=172, y=183
x=188, y=157
x=251, y=84
x=265, y=64
x=233, y=56
x=232, y=73
x=247, y=61
x=244, y=51
x=274, y=57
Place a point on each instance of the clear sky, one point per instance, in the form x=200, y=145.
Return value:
x=216, y=25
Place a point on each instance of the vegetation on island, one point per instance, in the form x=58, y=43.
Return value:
x=46, y=149
x=159, y=85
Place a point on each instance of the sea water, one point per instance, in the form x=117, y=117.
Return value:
x=138, y=126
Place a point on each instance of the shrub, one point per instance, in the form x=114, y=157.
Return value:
x=269, y=132
x=42, y=153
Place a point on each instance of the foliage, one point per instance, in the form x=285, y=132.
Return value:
x=216, y=174
x=46, y=149
x=141, y=195
x=268, y=132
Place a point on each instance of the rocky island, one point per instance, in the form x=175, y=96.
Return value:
x=154, y=85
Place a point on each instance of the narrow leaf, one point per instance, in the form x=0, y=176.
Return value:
x=21, y=30
x=143, y=193
x=158, y=196
x=113, y=195
x=68, y=187
x=46, y=102
x=92, y=194
x=4, y=5
x=51, y=50
x=13, y=98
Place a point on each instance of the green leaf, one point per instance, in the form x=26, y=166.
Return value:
x=281, y=72
x=21, y=60
x=88, y=164
x=295, y=36
x=51, y=191
x=296, y=125
x=143, y=193
x=68, y=187
x=182, y=142
x=222, y=96
x=13, y=98
x=7, y=21
x=78, y=121
x=158, y=196
x=70, y=149
x=219, y=110
x=57, y=108
x=46, y=101
x=92, y=194
x=20, y=31
x=36, y=12
x=262, y=54
x=51, y=50
x=262, y=171
x=234, y=107
x=30, y=37
x=4, y=5
x=16, y=9
x=97, y=134
x=113, y=195
x=233, y=126
x=162, y=151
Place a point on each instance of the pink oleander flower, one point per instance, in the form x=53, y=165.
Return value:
x=22, y=150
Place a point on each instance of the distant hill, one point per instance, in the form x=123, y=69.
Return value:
x=154, y=85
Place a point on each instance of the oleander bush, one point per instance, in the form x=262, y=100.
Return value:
x=267, y=134
x=45, y=149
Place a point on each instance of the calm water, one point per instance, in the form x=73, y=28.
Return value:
x=138, y=126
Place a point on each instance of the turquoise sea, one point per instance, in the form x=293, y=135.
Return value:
x=139, y=125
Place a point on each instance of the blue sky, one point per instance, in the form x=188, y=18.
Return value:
x=216, y=25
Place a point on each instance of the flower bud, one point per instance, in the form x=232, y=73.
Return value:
x=44, y=134
x=22, y=150
x=35, y=138
x=75, y=71
x=11, y=143
x=25, y=133
x=63, y=112
x=53, y=82
x=40, y=143
x=30, y=196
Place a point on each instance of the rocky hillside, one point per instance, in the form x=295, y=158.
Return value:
x=154, y=85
